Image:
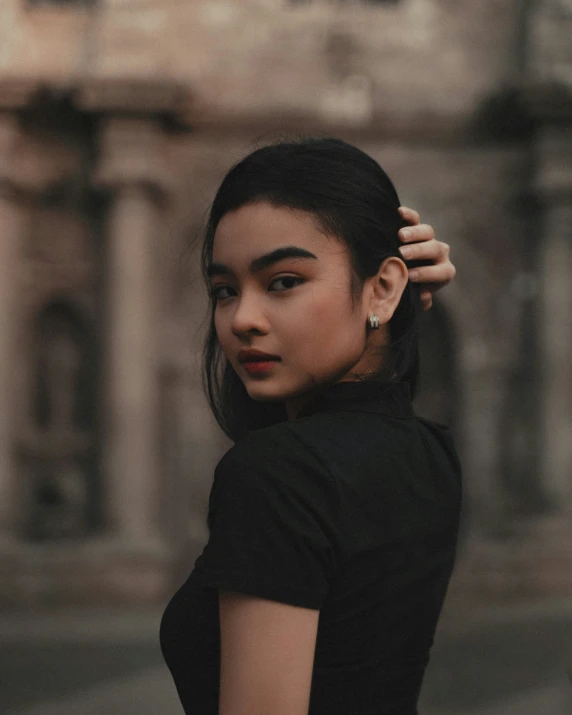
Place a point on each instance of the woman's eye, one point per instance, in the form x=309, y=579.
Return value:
x=216, y=292
x=289, y=281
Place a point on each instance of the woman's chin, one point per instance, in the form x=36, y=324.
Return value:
x=260, y=394
x=268, y=391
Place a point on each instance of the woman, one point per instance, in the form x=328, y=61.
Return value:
x=333, y=519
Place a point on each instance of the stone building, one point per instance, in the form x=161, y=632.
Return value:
x=118, y=118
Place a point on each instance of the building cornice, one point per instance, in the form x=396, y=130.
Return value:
x=153, y=99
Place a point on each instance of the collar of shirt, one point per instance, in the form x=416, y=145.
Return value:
x=386, y=398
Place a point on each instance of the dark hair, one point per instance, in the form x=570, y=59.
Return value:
x=354, y=201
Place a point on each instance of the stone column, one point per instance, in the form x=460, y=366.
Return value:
x=12, y=216
x=554, y=183
x=132, y=169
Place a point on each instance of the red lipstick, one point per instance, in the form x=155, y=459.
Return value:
x=256, y=361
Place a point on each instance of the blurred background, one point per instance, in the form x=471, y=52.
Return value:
x=118, y=119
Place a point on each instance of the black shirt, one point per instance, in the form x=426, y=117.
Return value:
x=353, y=509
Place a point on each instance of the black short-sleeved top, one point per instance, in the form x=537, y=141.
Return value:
x=352, y=509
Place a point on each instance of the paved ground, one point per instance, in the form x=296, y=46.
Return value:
x=510, y=662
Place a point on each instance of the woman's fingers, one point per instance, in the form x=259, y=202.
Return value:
x=409, y=215
x=421, y=232
x=436, y=276
x=429, y=250
x=422, y=246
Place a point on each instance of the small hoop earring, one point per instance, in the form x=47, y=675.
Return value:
x=373, y=321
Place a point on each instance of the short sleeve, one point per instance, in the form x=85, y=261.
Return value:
x=274, y=518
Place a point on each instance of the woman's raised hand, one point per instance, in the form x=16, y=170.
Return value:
x=423, y=246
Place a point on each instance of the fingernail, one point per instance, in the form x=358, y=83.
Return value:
x=413, y=275
x=406, y=233
x=405, y=251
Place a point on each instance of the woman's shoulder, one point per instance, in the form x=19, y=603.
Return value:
x=272, y=443
x=280, y=452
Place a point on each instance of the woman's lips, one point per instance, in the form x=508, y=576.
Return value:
x=259, y=365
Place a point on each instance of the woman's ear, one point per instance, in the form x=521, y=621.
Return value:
x=387, y=287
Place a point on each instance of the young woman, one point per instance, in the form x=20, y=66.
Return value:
x=333, y=519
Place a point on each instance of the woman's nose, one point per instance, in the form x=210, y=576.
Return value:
x=248, y=316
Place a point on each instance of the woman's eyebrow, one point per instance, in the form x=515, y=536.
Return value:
x=264, y=261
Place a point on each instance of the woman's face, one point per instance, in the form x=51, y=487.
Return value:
x=295, y=307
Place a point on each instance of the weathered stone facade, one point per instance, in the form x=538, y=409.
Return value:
x=118, y=118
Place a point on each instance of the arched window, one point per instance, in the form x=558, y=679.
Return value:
x=60, y=456
x=63, y=377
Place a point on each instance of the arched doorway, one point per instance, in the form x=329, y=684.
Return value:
x=63, y=492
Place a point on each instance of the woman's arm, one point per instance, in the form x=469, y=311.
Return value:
x=266, y=657
x=433, y=277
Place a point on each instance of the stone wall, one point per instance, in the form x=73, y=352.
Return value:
x=443, y=95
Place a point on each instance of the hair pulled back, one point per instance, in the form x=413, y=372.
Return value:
x=355, y=202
